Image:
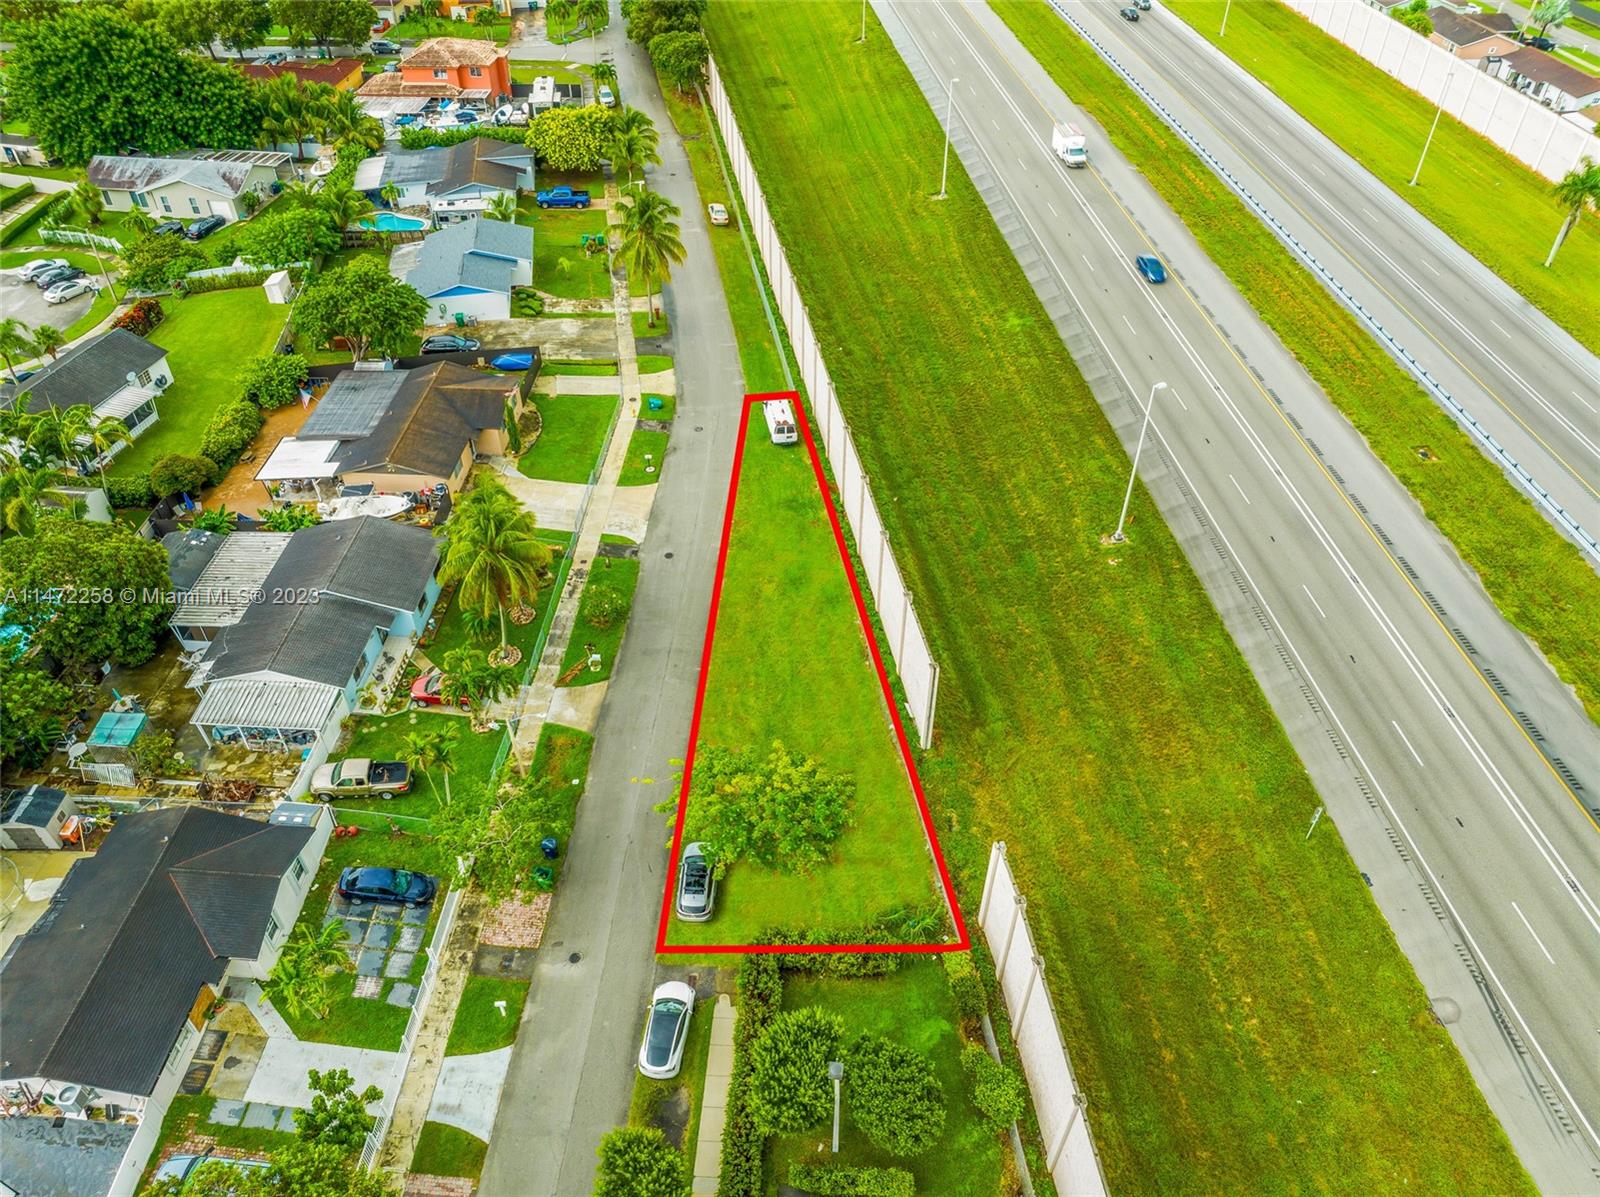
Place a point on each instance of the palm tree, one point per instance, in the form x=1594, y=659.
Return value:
x=48, y=339
x=634, y=148
x=22, y=489
x=493, y=552
x=650, y=242
x=1579, y=190
x=445, y=742
x=559, y=11
x=606, y=73
x=345, y=204
x=14, y=339
x=631, y=118
x=87, y=200
x=298, y=195
x=484, y=18
x=16, y=428
x=138, y=222
x=503, y=206
x=298, y=982
x=63, y=433
x=420, y=751
x=1549, y=12
x=390, y=194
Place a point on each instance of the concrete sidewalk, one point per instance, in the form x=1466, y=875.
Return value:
x=714, y=1100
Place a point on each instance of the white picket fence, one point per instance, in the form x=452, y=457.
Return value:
x=919, y=674
x=1538, y=136
x=1063, y=1125
x=74, y=237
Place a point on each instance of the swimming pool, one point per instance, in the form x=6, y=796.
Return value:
x=392, y=222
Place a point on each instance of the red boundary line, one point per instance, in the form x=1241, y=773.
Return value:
x=962, y=942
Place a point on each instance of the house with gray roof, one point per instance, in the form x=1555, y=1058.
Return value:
x=285, y=667
x=188, y=186
x=471, y=267
x=104, y=997
x=453, y=182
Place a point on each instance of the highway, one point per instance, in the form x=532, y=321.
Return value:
x=1396, y=677
x=1534, y=387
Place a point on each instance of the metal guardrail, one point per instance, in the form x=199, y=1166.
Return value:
x=1519, y=475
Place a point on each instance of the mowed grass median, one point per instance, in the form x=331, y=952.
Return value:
x=1239, y=1014
x=1538, y=578
x=1496, y=208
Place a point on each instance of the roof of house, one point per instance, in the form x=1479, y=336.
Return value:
x=189, y=552
x=97, y=991
x=481, y=160
x=436, y=413
x=321, y=70
x=89, y=373
x=479, y=253
x=1496, y=22
x=355, y=575
x=235, y=571
x=1547, y=68
x=224, y=172
x=392, y=84
x=453, y=52
x=1457, y=29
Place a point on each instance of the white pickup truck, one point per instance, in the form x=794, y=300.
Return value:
x=1070, y=145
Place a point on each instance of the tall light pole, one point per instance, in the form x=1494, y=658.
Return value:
x=1438, y=112
x=1226, y=9
x=1149, y=408
x=836, y=1071
x=949, y=109
x=863, y=36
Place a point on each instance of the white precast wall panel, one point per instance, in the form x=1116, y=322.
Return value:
x=906, y=642
x=1547, y=142
x=1063, y=1121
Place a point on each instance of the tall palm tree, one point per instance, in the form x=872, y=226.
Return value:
x=559, y=11
x=1579, y=190
x=503, y=206
x=633, y=149
x=87, y=201
x=22, y=490
x=650, y=242
x=138, y=222
x=296, y=194
x=493, y=553
x=631, y=118
x=390, y=193
x=62, y=434
x=16, y=428
x=345, y=204
x=606, y=73
x=14, y=339
x=420, y=751
x=445, y=742
x=48, y=339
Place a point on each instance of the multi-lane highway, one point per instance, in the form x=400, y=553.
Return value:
x=1523, y=378
x=1408, y=696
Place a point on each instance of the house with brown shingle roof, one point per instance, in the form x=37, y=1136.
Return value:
x=1545, y=78
x=1467, y=36
x=341, y=73
x=447, y=68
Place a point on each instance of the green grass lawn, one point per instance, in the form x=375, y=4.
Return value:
x=581, y=369
x=562, y=72
x=190, y=1114
x=1495, y=207
x=571, y=437
x=418, y=27
x=654, y=363
x=556, y=239
x=382, y=738
x=40, y=172
x=445, y=1150
x=911, y=1007
x=456, y=629
x=207, y=338
x=789, y=663
x=636, y=471
x=479, y=1025
x=562, y=756
x=1539, y=579
x=620, y=576
x=643, y=328
x=557, y=29
x=645, y=1108
x=665, y=412
x=1582, y=59
x=1096, y=716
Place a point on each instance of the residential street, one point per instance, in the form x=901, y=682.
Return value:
x=572, y=1068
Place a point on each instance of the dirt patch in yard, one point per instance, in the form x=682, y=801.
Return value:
x=239, y=491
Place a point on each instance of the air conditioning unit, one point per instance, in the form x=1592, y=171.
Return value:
x=73, y=1099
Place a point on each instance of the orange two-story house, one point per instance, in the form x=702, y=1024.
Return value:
x=455, y=68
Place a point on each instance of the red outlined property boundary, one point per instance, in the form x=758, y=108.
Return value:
x=962, y=941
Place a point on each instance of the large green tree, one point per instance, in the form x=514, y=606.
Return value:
x=117, y=579
x=363, y=303
x=649, y=19
x=572, y=138
x=638, y=1161
x=33, y=707
x=242, y=24
x=93, y=80
x=493, y=552
x=782, y=810
x=326, y=23
x=498, y=828
x=338, y=1112
x=681, y=58
x=283, y=237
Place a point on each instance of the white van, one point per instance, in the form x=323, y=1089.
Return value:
x=780, y=421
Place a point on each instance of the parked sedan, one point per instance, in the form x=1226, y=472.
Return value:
x=665, y=1030
x=1538, y=43
x=167, y=226
x=1128, y=14
x=719, y=213
x=32, y=270
x=387, y=885
x=1150, y=267
x=204, y=228
x=697, y=886
x=428, y=690
x=448, y=343
x=58, y=274
x=70, y=289
x=182, y=1167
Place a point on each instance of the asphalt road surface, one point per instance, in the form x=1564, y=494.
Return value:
x=1394, y=674
x=1534, y=387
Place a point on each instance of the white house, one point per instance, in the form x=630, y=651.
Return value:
x=1545, y=78
x=454, y=182
x=201, y=183
x=471, y=267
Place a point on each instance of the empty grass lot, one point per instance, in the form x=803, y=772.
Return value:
x=1495, y=207
x=789, y=663
x=557, y=239
x=911, y=1007
x=207, y=338
x=445, y=1150
x=1538, y=578
x=1238, y=1012
x=617, y=576
x=571, y=436
x=479, y=1025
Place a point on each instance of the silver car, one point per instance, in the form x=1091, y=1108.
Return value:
x=697, y=886
x=666, y=1030
x=71, y=289
x=38, y=266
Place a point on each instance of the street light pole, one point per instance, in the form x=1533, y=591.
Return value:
x=949, y=109
x=1438, y=112
x=1117, y=537
x=863, y=36
x=1226, y=9
x=836, y=1071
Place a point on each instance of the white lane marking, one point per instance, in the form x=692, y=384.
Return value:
x=1022, y=164
x=1240, y=489
x=1584, y=401
x=1129, y=323
x=1430, y=266
x=1313, y=599
x=1368, y=213
x=1501, y=327
x=1179, y=398
x=995, y=123
x=1404, y=740
x=1052, y=208
x=1533, y=933
x=1088, y=263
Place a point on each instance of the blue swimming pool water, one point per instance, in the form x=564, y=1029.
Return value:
x=392, y=222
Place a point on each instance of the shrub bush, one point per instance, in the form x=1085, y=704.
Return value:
x=179, y=472
x=760, y=995
x=351, y=155
x=157, y=262
x=835, y=1180
x=13, y=195
x=129, y=490
x=602, y=605
x=228, y=435
x=789, y=1086
x=997, y=1090
x=273, y=379
x=895, y=1098
x=639, y=1162
x=966, y=986
x=19, y=228
x=421, y=139
x=142, y=318
x=233, y=282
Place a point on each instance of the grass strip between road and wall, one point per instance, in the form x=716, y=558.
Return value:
x=1239, y=1014
x=1497, y=209
x=1538, y=578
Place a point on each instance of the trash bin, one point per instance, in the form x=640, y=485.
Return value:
x=654, y=403
x=544, y=877
x=461, y=320
x=550, y=847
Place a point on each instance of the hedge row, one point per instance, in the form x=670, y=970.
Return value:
x=343, y=173
x=760, y=995
x=835, y=1180
x=29, y=220
x=11, y=195
x=421, y=139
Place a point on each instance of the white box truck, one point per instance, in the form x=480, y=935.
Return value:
x=1070, y=145
x=780, y=421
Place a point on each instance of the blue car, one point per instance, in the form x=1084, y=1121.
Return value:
x=387, y=885
x=1151, y=268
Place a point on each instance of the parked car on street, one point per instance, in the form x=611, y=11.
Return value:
x=665, y=1030
x=204, y=227
x=167, y=226
x=70, y=289
x=697, y=886
x=606, y=96
x=360, y=777
x=562, y=197
x=369, y=884
x=448, y=343
x=719, y=213
x=428, y=690
x=182, y=1167
x=30, y=271
x=384, y=47
x=1151, y=268
x=57, y=274
x=1128, y=14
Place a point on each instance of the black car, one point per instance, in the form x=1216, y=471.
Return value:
x=448, y=343
x=1538, y=43
x=1128, y=14
x=384, y=47
x=204, y=228
x=387, y=885
x=167, y=226
x=697, y=885
x=61, y=274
